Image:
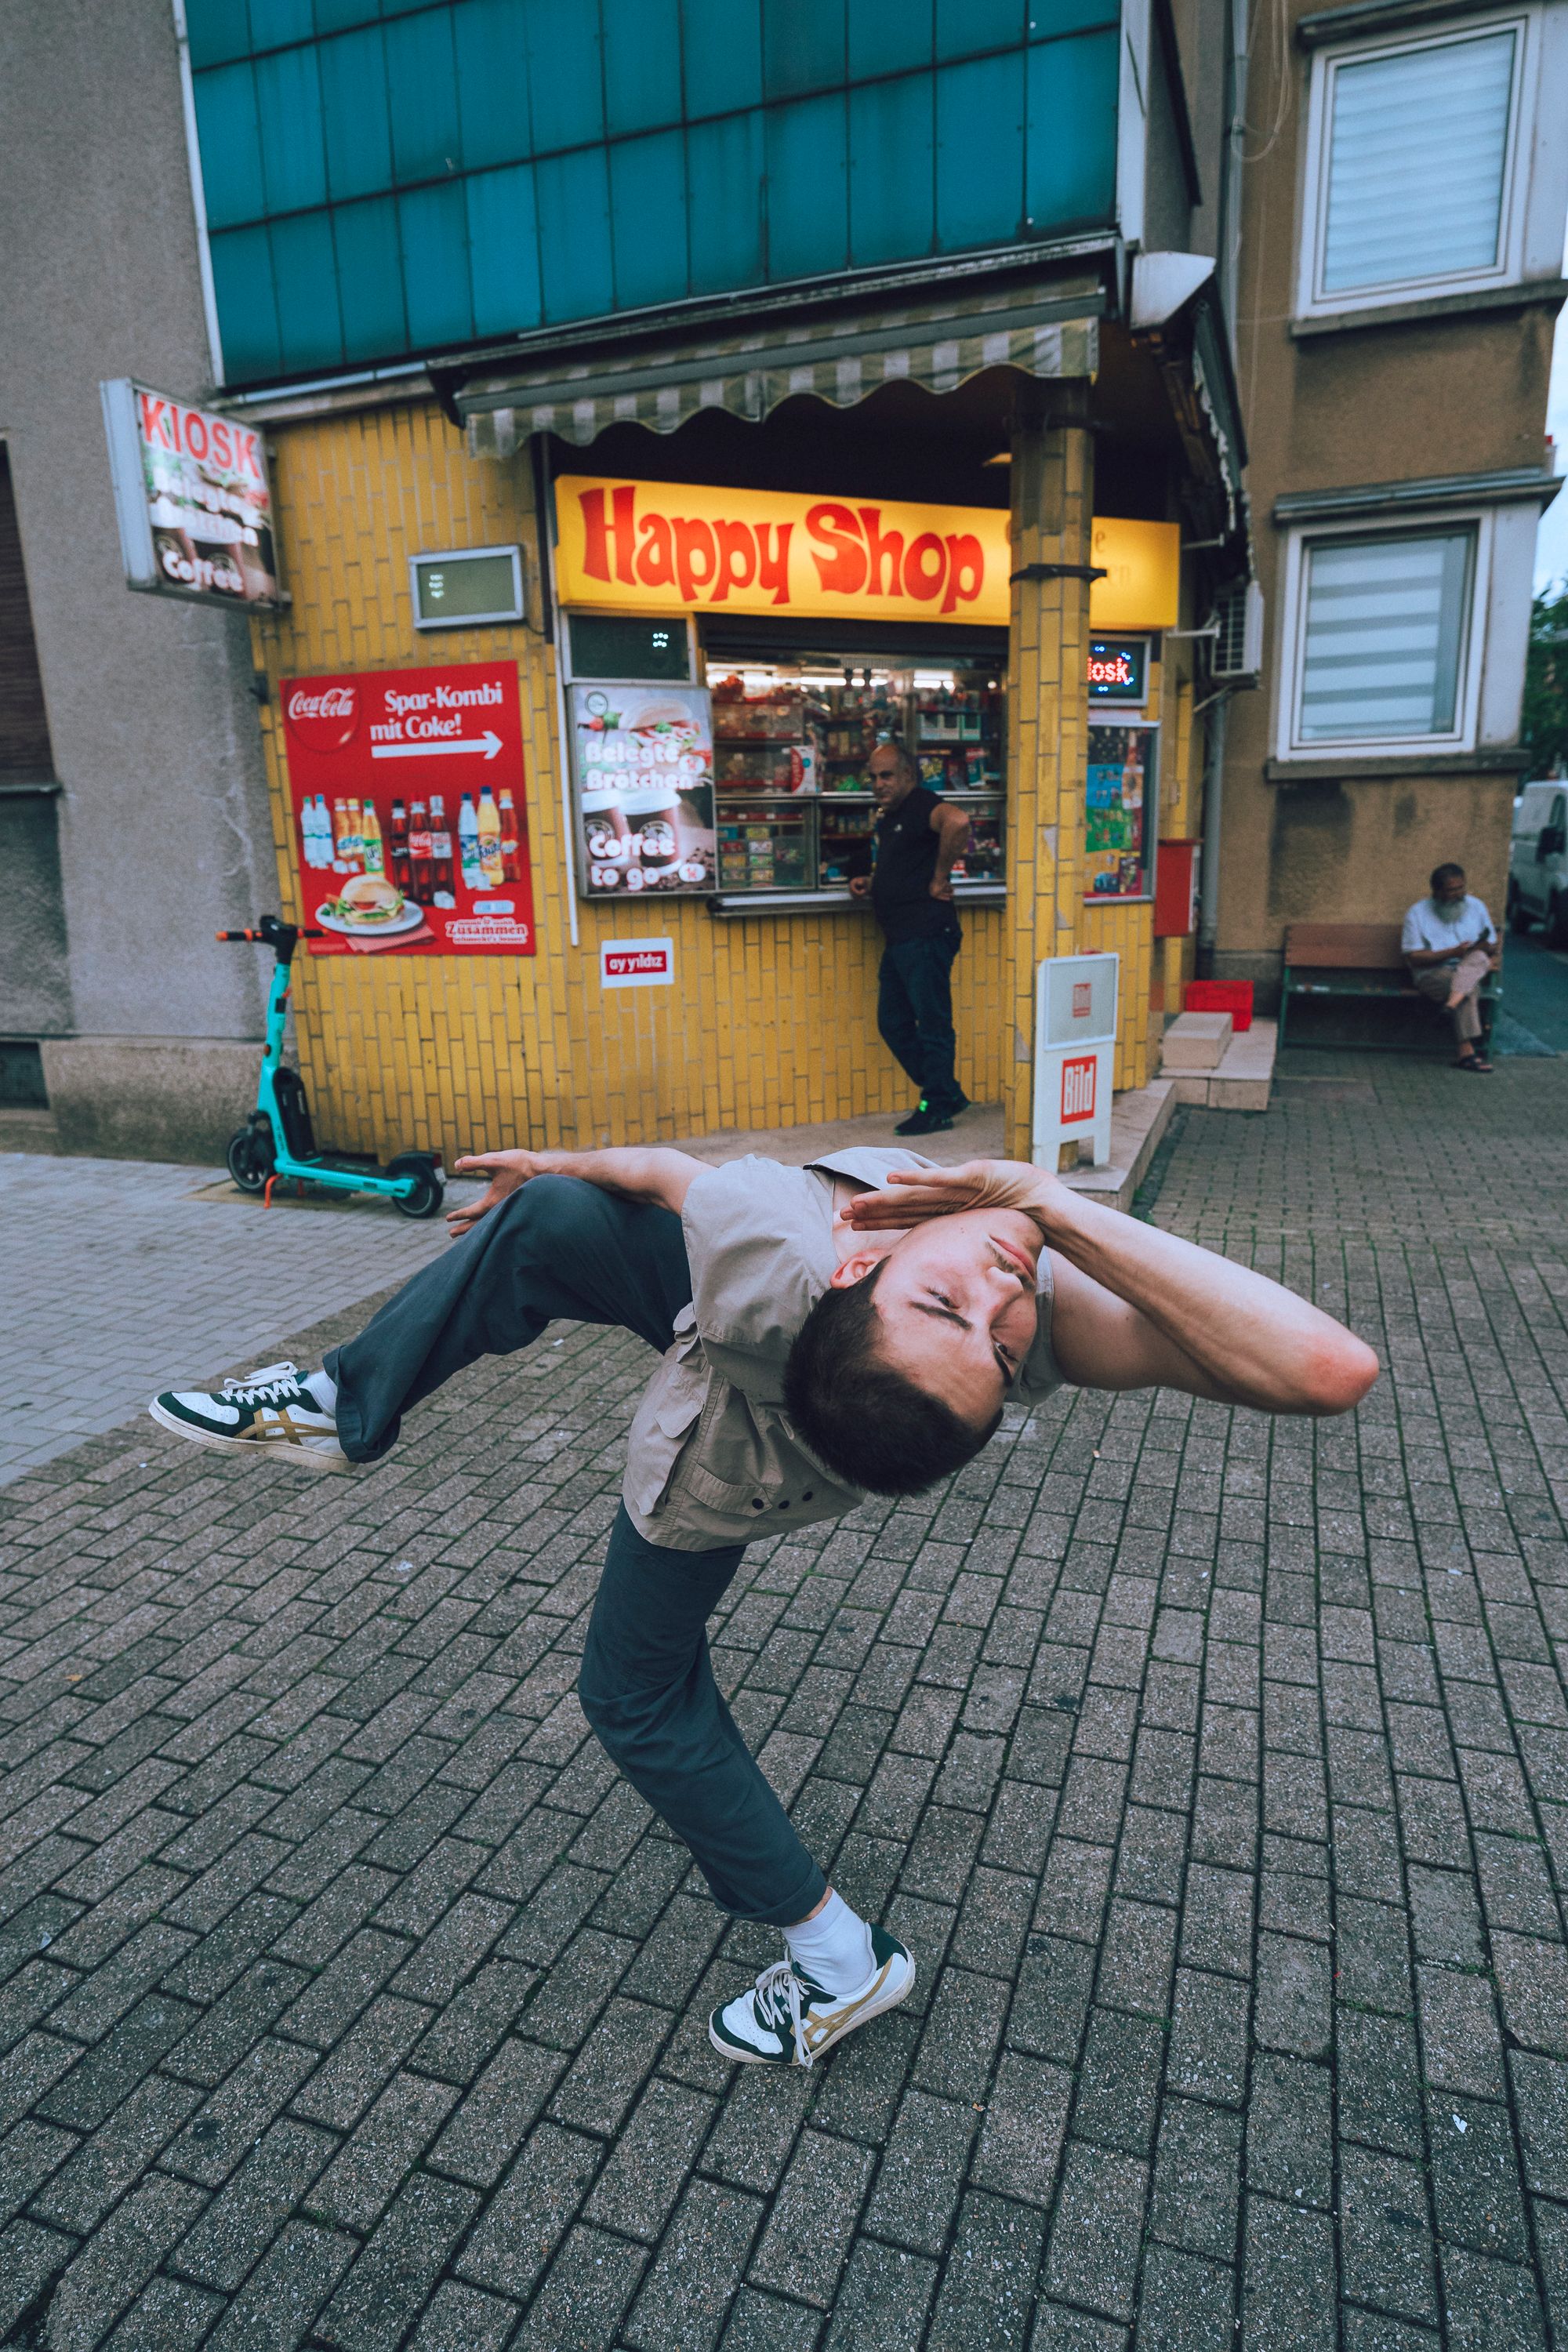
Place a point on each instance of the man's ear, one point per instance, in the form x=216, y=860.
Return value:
x=855, y=1268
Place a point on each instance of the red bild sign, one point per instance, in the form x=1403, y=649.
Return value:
x=410, y=825
x=1078, y=1088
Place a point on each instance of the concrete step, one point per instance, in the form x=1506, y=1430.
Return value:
x=1138, y=1118
x=1244, y=1079
x=1194, y=1040
x=28, y=1131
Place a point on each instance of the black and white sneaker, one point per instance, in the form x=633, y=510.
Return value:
x=787, y=2021
x=270, y=1414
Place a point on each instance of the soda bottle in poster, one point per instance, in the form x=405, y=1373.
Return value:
x=343, y=844
x=489, y=840
x=419, y=853
x=468, y=846
x=397, y=849
x=370, y=848
x=442, y=880
x=509, y=841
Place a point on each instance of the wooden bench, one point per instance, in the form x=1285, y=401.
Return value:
x=1359, y=960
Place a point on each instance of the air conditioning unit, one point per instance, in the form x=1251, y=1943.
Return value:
x=1238, y=644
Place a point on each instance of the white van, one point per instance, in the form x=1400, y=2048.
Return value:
x=1538, y=861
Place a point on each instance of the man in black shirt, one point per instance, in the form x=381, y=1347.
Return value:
x=918, y=838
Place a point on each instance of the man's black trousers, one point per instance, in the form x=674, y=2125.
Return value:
x=914, y=1013
x=561, y=1248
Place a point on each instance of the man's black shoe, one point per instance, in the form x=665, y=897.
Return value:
x=923, y=1122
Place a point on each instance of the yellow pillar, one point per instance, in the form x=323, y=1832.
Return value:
x=1047, y=710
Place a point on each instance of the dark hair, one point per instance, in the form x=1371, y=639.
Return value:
x=869, y=1423
x=1443, y=873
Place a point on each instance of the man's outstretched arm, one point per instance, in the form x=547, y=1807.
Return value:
x=1136, y=1307
x=656, y=1175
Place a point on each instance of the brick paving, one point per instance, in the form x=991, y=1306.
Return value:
x=111, y=1269
x=1215, y=1770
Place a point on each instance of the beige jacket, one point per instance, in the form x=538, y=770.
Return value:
x=713, y=1459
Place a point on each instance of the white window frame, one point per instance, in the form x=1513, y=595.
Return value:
x=1526, y=105
x=1463, y=736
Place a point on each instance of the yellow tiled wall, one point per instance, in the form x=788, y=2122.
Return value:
x=772, y=1021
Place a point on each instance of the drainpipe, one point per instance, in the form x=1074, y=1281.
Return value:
x=1208, y=887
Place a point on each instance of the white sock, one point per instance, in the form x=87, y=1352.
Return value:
x=323, y=1388
x=833, y=1948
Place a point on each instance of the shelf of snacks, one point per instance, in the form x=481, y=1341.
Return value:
x=763, y=846
x=789, y=730
x=784, y=767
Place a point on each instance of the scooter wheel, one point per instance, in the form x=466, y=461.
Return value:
x=426, y=1196
x=246, y=1164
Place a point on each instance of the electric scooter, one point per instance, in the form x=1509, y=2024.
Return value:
x=278, y=1139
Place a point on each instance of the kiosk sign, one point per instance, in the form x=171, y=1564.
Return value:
x=406, y=787
x=191, y=497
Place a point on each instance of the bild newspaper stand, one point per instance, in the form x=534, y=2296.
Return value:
x=1075, y=1045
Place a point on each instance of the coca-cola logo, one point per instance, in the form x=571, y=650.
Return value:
x=321, y=718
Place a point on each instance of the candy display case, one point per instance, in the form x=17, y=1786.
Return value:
x=795, y=813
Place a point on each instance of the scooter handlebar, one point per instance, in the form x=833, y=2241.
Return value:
x=300, y=934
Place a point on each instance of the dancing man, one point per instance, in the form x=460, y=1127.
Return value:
x=850, y=1328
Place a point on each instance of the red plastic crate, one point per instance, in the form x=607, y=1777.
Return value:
x=1232, y=996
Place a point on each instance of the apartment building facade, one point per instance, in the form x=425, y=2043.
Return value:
x=1399, y=271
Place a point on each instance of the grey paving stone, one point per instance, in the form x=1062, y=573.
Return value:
x=1097, y=2230
x=922, y=2171
x=1385, y=2235
x=882, y=2302
x=1186, y=2304
x=1197, y=2179
x=1490, y=2306
x=30, y=2258
x=462, y=2319
x=381, y=2150
x=988, y=2288
x=387, y=2286
x=276, y=2309
x=1290, y=2131
x=529, y=2212
x=694, y=2277
x=1288, y=2279
x=230, y=2237
x=807, y=2239
x=1058, y=2329
x=764, y=2323
x=487, y=2128
x=117, y=2261
x=1119, y=2082
x=581, y=2304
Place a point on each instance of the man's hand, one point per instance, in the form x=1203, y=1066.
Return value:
x=506, y=1170
x=941, y=887
x=915, y=1195
x=859, y=885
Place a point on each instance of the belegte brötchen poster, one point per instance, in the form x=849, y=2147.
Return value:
x=410, y=821
x=643, y=757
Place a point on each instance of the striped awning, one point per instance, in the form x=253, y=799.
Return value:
x=841, y=361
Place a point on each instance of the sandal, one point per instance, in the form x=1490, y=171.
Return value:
x=1475, y=1062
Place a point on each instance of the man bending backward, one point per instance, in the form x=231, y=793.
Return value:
x=849, y=1327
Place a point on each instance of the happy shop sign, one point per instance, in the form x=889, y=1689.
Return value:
x=676, y=546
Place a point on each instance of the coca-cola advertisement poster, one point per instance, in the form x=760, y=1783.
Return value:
x=410, y=827
x=644, y=758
